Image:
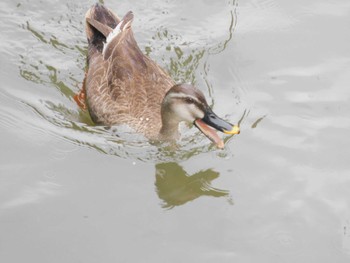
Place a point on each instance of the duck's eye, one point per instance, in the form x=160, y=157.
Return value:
x=189, y=100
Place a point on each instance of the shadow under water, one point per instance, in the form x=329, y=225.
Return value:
x=176, y=187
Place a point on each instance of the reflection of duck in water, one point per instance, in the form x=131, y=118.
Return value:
x=175, y=187
x=123, y=86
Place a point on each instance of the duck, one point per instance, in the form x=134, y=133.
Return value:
x=124, y=86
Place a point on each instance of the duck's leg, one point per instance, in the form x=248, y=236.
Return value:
x=80, y=98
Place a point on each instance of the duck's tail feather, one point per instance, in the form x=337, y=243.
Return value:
x=105, y=30
x=100, y=22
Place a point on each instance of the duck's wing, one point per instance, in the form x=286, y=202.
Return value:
x=134, y=80
x=117, y=35
x=124, y=84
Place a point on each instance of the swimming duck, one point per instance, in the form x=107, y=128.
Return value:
x=124, y=86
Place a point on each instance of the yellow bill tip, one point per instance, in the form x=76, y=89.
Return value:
x=235, y=130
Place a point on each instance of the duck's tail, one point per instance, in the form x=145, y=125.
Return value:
x=100, y=22
x=103, y=27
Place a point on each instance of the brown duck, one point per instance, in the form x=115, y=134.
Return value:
x=124, y=86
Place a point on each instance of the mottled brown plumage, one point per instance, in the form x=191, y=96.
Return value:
x=127, y=87
x=124, y=86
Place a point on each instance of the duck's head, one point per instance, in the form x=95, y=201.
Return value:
x=184, y=102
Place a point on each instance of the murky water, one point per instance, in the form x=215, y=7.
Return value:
x=74, y=192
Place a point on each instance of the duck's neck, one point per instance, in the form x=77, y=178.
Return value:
x=170, y=124
x=169, y=131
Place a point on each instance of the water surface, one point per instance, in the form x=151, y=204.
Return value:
x=74, y=192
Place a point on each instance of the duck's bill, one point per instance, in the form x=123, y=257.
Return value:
x=212, y=122
x=209, y=132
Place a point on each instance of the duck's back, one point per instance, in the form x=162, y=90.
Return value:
x=123, y=86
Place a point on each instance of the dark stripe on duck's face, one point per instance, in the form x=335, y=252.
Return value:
x=187, y=89
x=188, y=99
